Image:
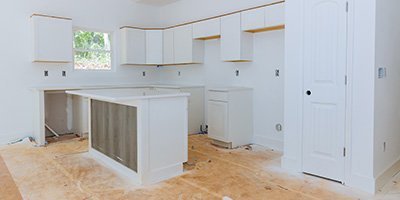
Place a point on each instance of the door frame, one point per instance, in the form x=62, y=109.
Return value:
x=348, y=94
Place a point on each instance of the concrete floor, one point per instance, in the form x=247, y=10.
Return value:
x=63, y=170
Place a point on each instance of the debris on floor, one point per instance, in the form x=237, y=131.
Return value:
x=62, y=171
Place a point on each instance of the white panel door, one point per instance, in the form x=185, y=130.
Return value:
x=324, y=88
x=218, y=120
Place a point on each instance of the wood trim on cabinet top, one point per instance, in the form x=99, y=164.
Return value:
x=209, y=38
x=267, y=29
x=39, y=61
x=55, y=17
x=155, y=29
x=218, y=16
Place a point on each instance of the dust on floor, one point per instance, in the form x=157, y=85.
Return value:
x=63, y=170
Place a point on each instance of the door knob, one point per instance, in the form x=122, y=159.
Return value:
x=308, y=92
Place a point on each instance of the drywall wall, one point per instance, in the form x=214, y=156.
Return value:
x=19, y=73
x=387, y=90
x=360, y=92
x=191, y=10
x=259, y=74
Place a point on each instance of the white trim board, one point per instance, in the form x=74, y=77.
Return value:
x=268, y=142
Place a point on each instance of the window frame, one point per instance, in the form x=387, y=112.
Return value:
x=112, y=43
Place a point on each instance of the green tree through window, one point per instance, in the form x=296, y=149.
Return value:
x=92, y=50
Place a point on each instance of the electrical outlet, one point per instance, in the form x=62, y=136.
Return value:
x=380, y=72
x=237, y=73
x=144, y=73
x=46, y=73
x=278, y=127
x=179, y=73
x=277, y=73
x=384, y=146
x=64, y=73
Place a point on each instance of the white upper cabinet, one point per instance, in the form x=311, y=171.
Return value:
x=275, y=15
x=264, y=19
x=133, y=46
x=236, y=45
x=253, y=19
x=186, y=49
x=209, y=29
x=154, y=47
x=168, y=46
x=52, y=39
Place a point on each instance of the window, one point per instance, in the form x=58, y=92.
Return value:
x=92, y=50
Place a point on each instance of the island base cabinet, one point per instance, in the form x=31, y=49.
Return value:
x=143, y=139
x=114, y=132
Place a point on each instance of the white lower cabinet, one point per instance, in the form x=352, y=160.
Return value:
x=196, y=110
x=218, y=118
x=230, y=116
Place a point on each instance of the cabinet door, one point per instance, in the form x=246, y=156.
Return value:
x=207, y=29
x=183, y=44
x=275, y=15
x=133, y=46
x=253, y=19
x=168, y=46
x=236, y=45
x=154, y=47
x=218, y=120
x=52, y=39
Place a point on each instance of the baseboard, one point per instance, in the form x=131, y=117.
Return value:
x=290, y=163
x=385, y=177
x=6, y=138
x=268, y=142
x=364, y=183
x=165, y=173
x=120, y=169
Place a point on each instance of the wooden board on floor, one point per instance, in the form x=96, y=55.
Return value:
x=8, y=189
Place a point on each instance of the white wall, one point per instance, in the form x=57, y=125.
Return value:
x=19, y=73
x=191, y=10
x=259, y=74
x=387, y=90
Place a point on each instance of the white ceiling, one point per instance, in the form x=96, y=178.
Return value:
x=156, y=2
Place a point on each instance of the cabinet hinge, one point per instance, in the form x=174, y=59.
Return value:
x=344, y=151
x=347, y=6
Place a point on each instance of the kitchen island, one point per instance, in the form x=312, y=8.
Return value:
x=140, y=133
